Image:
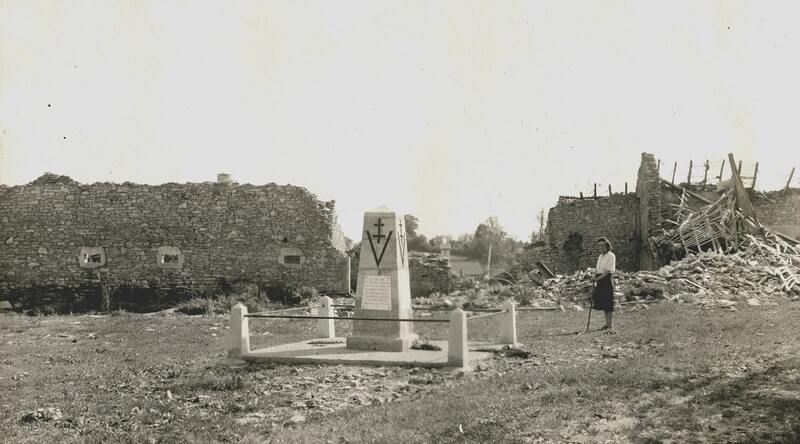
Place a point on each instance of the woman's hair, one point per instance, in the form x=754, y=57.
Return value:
x=605, y=241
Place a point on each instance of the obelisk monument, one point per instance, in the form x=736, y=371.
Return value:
x=383, y=289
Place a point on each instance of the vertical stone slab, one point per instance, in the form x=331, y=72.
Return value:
x=508, y=327
x=457, y=348
x=383, y=289
x=325, y=327
x=239, y=344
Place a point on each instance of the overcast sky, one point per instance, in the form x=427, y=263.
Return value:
x=451, y=111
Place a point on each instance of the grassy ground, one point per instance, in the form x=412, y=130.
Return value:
x=672, y=373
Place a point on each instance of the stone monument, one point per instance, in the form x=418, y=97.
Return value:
x=383, y=290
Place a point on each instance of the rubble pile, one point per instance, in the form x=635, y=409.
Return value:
x=755, y=275
x=718, y=254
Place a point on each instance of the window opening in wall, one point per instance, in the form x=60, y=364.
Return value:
x=291, y=256
x=92, y=258
x=574, y=244
x=170, y=259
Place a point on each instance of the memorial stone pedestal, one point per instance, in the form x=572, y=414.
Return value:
x=383, y=289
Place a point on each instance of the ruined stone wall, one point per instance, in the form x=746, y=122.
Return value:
x=779, y=210
x=574, y=225
x=212, y=236
x=648, y=208
x=428, y=274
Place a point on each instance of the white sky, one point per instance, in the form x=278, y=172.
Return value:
x=452, y=111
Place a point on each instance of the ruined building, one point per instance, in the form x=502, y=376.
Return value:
x=631, y=220
x=81, y=246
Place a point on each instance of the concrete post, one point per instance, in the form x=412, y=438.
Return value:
x=325, y=327
x=457, y=349
x=508, y=327
x=239, y=344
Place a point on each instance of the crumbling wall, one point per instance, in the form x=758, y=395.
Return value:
x=428, y=274
x=647, y=209
x=171, y=239
x=779, y=210
x=574, y=225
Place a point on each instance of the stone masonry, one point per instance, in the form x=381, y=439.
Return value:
x=72, y=244
x=430, y=273
x=779, y=210
x=629, y=220
x=574, y=225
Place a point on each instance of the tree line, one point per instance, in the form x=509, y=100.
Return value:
x=474, y=245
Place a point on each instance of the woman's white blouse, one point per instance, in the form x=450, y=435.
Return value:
x=606, y=262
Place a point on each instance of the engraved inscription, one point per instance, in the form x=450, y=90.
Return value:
x=377, y=293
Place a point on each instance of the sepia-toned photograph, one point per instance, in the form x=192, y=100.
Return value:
x=453, y=221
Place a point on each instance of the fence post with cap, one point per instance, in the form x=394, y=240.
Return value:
x=326, y=327
x=239, y=339
x=457, y=349
x=508, y=324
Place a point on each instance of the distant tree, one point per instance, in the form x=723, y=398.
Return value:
x=412, y=223
x=489, y=233
x=435, y=243
x=538, y=233
x=462, y=245
x=414, y=240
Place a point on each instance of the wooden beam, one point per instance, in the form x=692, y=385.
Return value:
x=741, y=194
x=705, y=174
x=721, y=170
x=545, y=269
x=674, y=168
x=609, y=189
x=755, y=176
x=626, y=187
x=691, y=193
x=790, y=178
x=595, y=190
x=689, y=178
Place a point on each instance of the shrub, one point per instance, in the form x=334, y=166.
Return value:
x=197, y=306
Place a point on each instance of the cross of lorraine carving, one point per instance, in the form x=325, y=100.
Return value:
x=377, y=240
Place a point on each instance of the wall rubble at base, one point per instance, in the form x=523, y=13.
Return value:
x=429, y=273
x=226, y=233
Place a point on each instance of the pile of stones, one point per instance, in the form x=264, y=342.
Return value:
x=707, y=279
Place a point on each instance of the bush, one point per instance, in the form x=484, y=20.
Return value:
x=465, y=283
x=277, y=296
x=197, y=306
x=290, y=295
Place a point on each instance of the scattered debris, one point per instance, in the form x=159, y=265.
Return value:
x=424, y=344
x=45, y=414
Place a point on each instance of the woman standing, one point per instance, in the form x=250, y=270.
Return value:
x=604, y=287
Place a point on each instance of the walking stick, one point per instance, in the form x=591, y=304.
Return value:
x=590, y=311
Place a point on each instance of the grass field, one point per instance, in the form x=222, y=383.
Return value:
x=672, y=373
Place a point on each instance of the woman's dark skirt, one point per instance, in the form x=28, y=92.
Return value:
x=604, y=294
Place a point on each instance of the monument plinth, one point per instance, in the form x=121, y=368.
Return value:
x=383, y=289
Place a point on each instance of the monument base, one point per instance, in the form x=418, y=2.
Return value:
x=378, y=343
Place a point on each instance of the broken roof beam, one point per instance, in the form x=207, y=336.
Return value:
x=691, y=193
x=741, y=194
